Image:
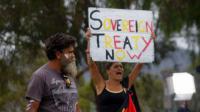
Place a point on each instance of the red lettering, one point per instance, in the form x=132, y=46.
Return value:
x=130, y=25
x=134, y=55
x=116, y=41
x=147, y=43
x=114, y=24
x=149, y=27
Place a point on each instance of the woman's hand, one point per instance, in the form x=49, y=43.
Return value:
x=88, y=34
x=93, y=68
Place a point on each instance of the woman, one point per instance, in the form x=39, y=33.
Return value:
x=110, y=93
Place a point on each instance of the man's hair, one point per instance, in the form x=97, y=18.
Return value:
x=58, y=42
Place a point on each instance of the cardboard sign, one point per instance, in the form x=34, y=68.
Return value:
x=121, y=35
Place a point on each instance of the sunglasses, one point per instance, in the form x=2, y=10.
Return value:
x=67, y=81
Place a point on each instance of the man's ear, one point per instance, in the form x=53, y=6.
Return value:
x=58, y=54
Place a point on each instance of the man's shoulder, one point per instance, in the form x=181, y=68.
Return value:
x=40, y=72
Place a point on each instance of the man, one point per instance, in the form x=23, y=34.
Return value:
x=52, y=87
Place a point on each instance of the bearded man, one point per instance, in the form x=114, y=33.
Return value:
x=52, y=87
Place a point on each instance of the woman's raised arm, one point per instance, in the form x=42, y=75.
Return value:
x=93, y=68
x=134, y=73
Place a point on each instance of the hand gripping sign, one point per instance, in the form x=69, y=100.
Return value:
x=121, y=35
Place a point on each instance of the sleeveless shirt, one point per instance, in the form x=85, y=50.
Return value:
x=109, y=101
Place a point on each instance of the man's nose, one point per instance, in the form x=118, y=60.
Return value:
x=73, y=56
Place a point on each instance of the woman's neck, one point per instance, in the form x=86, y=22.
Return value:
x=113, y=82
x=113, y=85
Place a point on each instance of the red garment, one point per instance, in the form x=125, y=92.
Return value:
x=131, y=106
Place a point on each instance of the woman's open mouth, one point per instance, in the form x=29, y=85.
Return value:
x=118, y=73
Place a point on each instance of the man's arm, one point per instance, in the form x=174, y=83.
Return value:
x=78, y=109
x=34, y=93
x=32, y=106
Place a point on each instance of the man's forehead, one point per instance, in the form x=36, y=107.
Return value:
x=71, y=48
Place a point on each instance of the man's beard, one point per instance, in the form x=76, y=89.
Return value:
x=69, y=68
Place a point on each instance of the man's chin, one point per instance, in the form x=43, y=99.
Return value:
x=71, y=69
